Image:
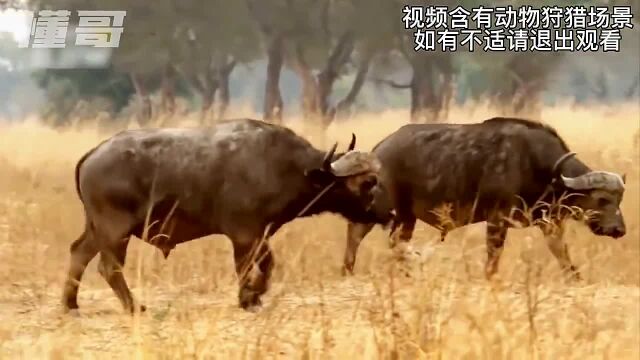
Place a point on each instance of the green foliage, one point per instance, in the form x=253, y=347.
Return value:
x=65, y=87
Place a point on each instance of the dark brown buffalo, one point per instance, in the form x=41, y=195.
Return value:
x=242, y=178
x=486, y=172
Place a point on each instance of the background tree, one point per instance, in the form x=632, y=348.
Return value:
x=192, y=49
x=218, y=37
x=432, y=73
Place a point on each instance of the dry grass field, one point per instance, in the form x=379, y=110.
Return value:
x=444, y=309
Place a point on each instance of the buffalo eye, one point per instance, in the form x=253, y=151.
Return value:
x=368, y=184
x=602, y=202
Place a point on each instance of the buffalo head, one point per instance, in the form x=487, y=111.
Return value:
x=603, y=193
x=354, y=187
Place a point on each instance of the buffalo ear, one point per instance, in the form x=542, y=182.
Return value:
x=319, y=177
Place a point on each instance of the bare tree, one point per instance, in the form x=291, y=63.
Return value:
x=265, y=13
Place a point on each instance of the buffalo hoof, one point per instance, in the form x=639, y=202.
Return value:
x=69, y=308
x=253, y=309
x=497, y=283
x=347, y=270
x=577, y=277
x=249, y=299
x=406, y=252
x=74, y=313
x=573, y=275
x=138, y=308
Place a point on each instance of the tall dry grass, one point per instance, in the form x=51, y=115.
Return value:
x=445, y=309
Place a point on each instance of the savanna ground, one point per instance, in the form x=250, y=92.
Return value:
x=445, y=309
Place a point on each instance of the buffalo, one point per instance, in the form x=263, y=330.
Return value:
x=505, y=171
x=243, y=178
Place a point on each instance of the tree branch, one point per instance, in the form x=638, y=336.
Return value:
x=390, y=83
x=339, y=57
x=358, y=82
x=299, y=64
x=230, y=66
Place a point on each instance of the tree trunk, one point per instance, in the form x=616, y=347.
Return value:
x=629, y=93
x=432, y=88
x=316, y=91
x=168, y=90
x=344, y=106
x=208, y=100
x=602, y=89
x=337, y=60
x=526, y=101
x=423, y=102
x=273, y=105
x=223, y=81
x=206, y=86
x=310, y=106
x=143, y=97
x=447, y=91
x=521, y=96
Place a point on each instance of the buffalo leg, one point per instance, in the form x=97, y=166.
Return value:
x=556, y=244
x=355, y=233
x=112, y=259
x=253, y=280
x=83, y=250
x=403, y=232
x=496, y=235
x=399, y=240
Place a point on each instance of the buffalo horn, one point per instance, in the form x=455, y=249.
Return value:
x=352, y=145
x=594, y=180
x=326, y=163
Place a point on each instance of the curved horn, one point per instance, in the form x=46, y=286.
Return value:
x=576, y=183
x=352, y=145
x=595, y=180
x=560, y=161
x=326, y=163
x=354, y=163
